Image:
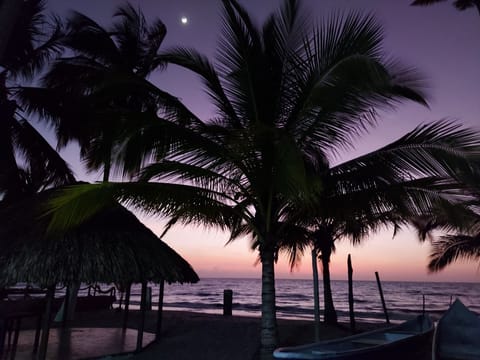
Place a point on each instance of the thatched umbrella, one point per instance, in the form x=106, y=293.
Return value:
x=112, y=247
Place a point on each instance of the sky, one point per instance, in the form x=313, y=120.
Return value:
x=439, y=41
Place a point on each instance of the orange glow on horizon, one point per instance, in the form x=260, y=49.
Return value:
x=399, y=259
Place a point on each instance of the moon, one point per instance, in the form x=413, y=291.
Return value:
x=184, y=20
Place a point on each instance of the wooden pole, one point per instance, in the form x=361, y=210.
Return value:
x=227, y=302
x=381, y=297
x=42, y=353
x=316, y=295
x=66, y=305
x=350, y=293
x=148, y=298
x=143, y=307
x=160, y=310
x=38, y=329
x=127, y=304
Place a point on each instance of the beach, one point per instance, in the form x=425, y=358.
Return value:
x=188, y=335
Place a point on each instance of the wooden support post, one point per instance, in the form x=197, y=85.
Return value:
x=141, y=326
x=160, y=310
x=148, y=298
x=66, y=305
x=127, y=304
x=316, y=295
x=381, y=297
x=227, y=302
x=42, y=353
x=3, y=333
x=38, y=329
x=16, y=332
x=350, y=293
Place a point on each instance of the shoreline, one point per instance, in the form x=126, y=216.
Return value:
x=185, y=335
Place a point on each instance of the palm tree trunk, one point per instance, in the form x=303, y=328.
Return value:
x=330, y=315
x=9, y=12
x=316, y=296
x=477, y=5
x=9, y=177
x=268, y=336
x=106, y=168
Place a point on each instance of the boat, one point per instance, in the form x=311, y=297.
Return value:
x=377, y=344
x=457, y=335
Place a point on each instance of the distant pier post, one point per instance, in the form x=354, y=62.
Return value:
x=227, y=302
x=350, y=293
x=381, y=297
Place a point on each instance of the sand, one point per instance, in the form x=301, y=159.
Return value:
x=189, y=335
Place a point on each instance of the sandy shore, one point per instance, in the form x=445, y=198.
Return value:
x=189, y=335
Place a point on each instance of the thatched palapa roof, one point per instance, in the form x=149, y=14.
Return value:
x=112, y=247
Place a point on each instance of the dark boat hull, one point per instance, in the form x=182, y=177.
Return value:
x=412, y=338
x=457, y=336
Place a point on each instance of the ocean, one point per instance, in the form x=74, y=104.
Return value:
x=295, y=298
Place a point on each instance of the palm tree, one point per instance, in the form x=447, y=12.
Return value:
x=285, y=102
x=287, y=97
x=459, y=224
x=28, y=163
x=451, y=248
x=101, y=92
x=9, y=12
x=459, y=4
x=386, y=187
x=91, y=103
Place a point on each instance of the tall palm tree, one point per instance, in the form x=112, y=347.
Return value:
x=91, y=103
x=459, y=225
x=9, y=12
x=459, y=4
x=287, y=95
x=27, y=158
x=386, y=187
x=101, y=92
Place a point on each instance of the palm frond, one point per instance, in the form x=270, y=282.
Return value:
x=73, y=205
x=426, y=2
x=87, y=38
x=459, y=4
x=346, y=80
x=452, y=248
x=293, y=241
x=43, y=161
x=35, y=43
x=199, y=64
x=441, y=148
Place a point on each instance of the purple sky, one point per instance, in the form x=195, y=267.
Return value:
x=438, y=40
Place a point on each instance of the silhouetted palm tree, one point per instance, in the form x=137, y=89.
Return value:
x=459, y=223
x=386, y=187
x=287, y=97
x=101, y=92
x=28, y=163
x=451, y=248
